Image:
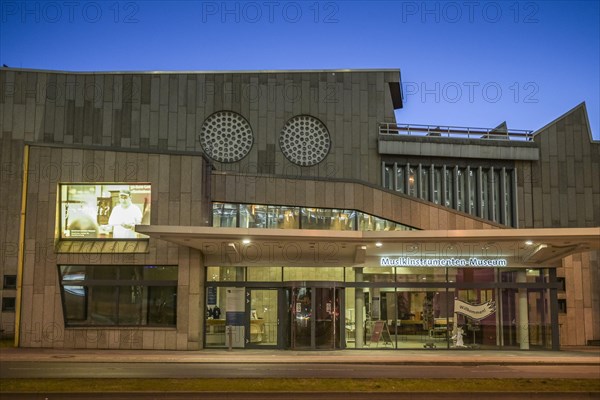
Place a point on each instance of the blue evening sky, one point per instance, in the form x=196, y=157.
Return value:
x=464, y=63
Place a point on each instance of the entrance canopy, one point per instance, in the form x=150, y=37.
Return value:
x=435, y=248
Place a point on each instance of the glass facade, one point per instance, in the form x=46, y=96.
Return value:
x=284, y=217
x=119, y=295
x=483, y=192
x=437, y=186
x=331, y=219
x=424, y=183
x=387, y=307
x=412, y=182
x=251, y=216
x=472, y=189
x=400, y=179
x=508, y=195
x=497, y=196
x=226, y=215
x=449, y=189
x=461, y=180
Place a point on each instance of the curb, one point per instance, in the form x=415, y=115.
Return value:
x=303, y=395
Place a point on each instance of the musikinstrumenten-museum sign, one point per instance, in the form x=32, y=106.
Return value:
x=442, y=262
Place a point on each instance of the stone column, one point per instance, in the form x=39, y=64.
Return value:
x=359, y=303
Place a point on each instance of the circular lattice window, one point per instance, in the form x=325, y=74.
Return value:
x=304, y=140
x=226, y=137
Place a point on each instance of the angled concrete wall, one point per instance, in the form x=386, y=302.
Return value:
x=562, y=189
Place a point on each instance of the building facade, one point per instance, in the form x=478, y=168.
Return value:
x=286, y=210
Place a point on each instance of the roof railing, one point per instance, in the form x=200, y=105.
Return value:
x=454, y=132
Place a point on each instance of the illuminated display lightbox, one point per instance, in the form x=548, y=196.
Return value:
x=103, y=211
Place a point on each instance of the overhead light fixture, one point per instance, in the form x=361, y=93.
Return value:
x=528, y=242
x=246, y=241
x=378, y=244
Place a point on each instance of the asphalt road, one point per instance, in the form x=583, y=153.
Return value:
x=71, y=369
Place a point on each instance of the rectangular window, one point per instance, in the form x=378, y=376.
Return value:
x=10, y=282
x=119, y=295
x=420, y=275
x=462, y=191
x=472, y=191
x=562, y=282
x=476, y=332
x=162, y=309
x=412, y=182
x=313, y=274
x=264, y=274
x=8, y=304
x=562, y=306
x=281, y=217
x=253, y=216
x=449, y=187
x=497, y=216
x=424, y=183
x=225, y=215
x=368, y=222
x=485, y=205
x=508, y=197
x=387, y=177
x=103, y=211
x=437, y=185
x=471, y=275
x=400, y=179
x=330, y=219
x=226, y=274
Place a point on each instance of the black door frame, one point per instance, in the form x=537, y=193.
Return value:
x=339, y=329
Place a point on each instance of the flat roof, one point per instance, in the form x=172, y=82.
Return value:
x=282, y=71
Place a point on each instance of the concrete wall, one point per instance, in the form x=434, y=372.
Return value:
x=175, y=201
x=581, y=322
x=562, y=189
x=423, y=146
x=11, y=161
x=158, y=112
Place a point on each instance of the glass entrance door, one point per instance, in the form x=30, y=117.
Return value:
x=327, y=318
x=262, y=309
x=302, y=324
x=315, y=318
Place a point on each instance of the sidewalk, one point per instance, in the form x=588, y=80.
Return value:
x=568, y=356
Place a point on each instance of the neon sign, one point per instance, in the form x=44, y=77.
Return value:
x=442, y=262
